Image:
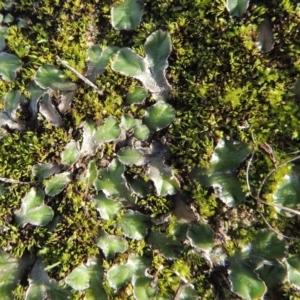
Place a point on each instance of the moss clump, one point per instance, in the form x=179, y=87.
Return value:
x=222, y=86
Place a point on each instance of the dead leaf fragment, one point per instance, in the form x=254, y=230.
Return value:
x=265, y=37
x=182, y=211
x=50, y=113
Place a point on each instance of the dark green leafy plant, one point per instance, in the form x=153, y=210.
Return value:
x=10, y=64
x=226, y=158
x=286, y=192
x=293, y=267
x=112, y=181
x=136, y=96
x=127, y=15
x=49, y=77
x=88, y=277
x=11, y=272
x=236, y=8
x=251, y=268
x=8, y=117
x=33, y=210
x=151, y=69
x=159, y=116
x=40, y=286
x=134, y=268
x=57, y=183
x=106, y=209
x=98, y=59
x=111, y=245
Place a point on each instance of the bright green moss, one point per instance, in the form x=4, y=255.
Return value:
x=221, y=82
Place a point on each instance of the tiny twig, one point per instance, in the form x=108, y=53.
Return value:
x=257, y=197
x=295, y=152
x=279, y=206
x=247, y=174
x=179, y=290
x=275, y=231
x=87, y=81
x=268, y=149
x=9, y=180
x=272, y=171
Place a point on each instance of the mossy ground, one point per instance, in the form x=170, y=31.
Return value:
x=221, y=82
